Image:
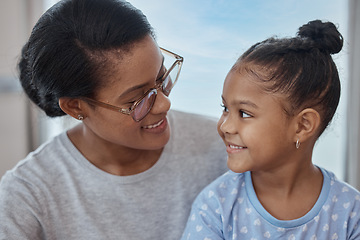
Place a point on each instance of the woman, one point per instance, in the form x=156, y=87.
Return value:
x=131, y=169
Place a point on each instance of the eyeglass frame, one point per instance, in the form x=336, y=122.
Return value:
x=178, y=61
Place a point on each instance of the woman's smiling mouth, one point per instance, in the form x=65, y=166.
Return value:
x=158, y=127
x=154, y=125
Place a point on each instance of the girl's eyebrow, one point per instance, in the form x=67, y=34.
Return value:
x=243, y=102
x=248, y=103
x=141, y=85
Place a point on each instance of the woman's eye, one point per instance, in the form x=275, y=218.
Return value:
x=160, y=78
x=244, y=114
x=225, y=109
x=129, y=104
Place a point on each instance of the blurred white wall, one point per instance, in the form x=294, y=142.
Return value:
x=16, y=19
x=14, y=141
x=353, y=108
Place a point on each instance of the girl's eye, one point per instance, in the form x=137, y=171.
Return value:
x=225, y=109
x=244, y=114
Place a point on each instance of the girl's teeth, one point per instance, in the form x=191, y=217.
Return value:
x=236, y=147
x=155, y=125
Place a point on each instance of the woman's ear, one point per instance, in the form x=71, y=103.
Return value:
x=307, y=124
x=72, y=107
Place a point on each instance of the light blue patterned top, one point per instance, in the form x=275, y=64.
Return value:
x=229, y=209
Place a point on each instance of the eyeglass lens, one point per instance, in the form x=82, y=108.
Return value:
x=143, y=108
x=145, y=105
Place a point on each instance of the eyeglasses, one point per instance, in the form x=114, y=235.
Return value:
x=142, y=106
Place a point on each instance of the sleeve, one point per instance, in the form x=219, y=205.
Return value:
x=355, y=234
x=205, y=220
x=353, y=221
x=19, y=210
x=354, y=224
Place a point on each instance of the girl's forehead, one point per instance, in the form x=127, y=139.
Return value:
x=244, y=78
x=238, y=85
x=256, y=71
x=241, y=84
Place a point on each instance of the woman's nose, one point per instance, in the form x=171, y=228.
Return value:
x=162, y=103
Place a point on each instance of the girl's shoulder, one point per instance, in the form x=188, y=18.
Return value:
x=339, y=187
x=228, y=184
x=342, y=197
x=227, y=180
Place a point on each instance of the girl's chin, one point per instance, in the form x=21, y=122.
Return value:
x=236, y=166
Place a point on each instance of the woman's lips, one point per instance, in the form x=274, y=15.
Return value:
x=154, y=125
x=158, y=127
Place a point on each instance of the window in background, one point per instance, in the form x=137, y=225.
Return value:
x=211, y=35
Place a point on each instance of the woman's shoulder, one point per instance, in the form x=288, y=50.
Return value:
x=41, y=162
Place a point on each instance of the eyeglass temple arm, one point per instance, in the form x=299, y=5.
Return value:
x=178, y=57
x=108, y=106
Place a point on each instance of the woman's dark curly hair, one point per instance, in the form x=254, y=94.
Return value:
x=64, y=55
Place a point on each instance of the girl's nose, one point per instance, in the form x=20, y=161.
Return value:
x=227, y=125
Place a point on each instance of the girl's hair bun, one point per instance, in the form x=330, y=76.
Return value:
x=322, y=35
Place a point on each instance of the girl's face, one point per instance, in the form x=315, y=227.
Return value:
x=257, y=133
x=127, y=79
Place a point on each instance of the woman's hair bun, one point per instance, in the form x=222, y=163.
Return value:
x=322, y=35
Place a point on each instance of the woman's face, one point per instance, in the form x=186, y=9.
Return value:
x=127, y=78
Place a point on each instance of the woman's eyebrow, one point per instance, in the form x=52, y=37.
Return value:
x=162, y=64
x=141, y=85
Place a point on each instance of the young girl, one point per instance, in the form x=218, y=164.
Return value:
x=278, y=99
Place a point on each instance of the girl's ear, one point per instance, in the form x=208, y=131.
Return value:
x=72, y=107
x=307, y=124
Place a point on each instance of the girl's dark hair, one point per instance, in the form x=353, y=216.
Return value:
x=301, y=68
x=64, y=55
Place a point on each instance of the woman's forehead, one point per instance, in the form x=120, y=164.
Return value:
x=139, y=66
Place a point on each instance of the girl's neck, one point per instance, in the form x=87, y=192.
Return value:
x=290, y=192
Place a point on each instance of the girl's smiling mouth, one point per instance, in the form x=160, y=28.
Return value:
x=232, y=148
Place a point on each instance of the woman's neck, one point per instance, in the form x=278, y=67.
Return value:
x=114, y=159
